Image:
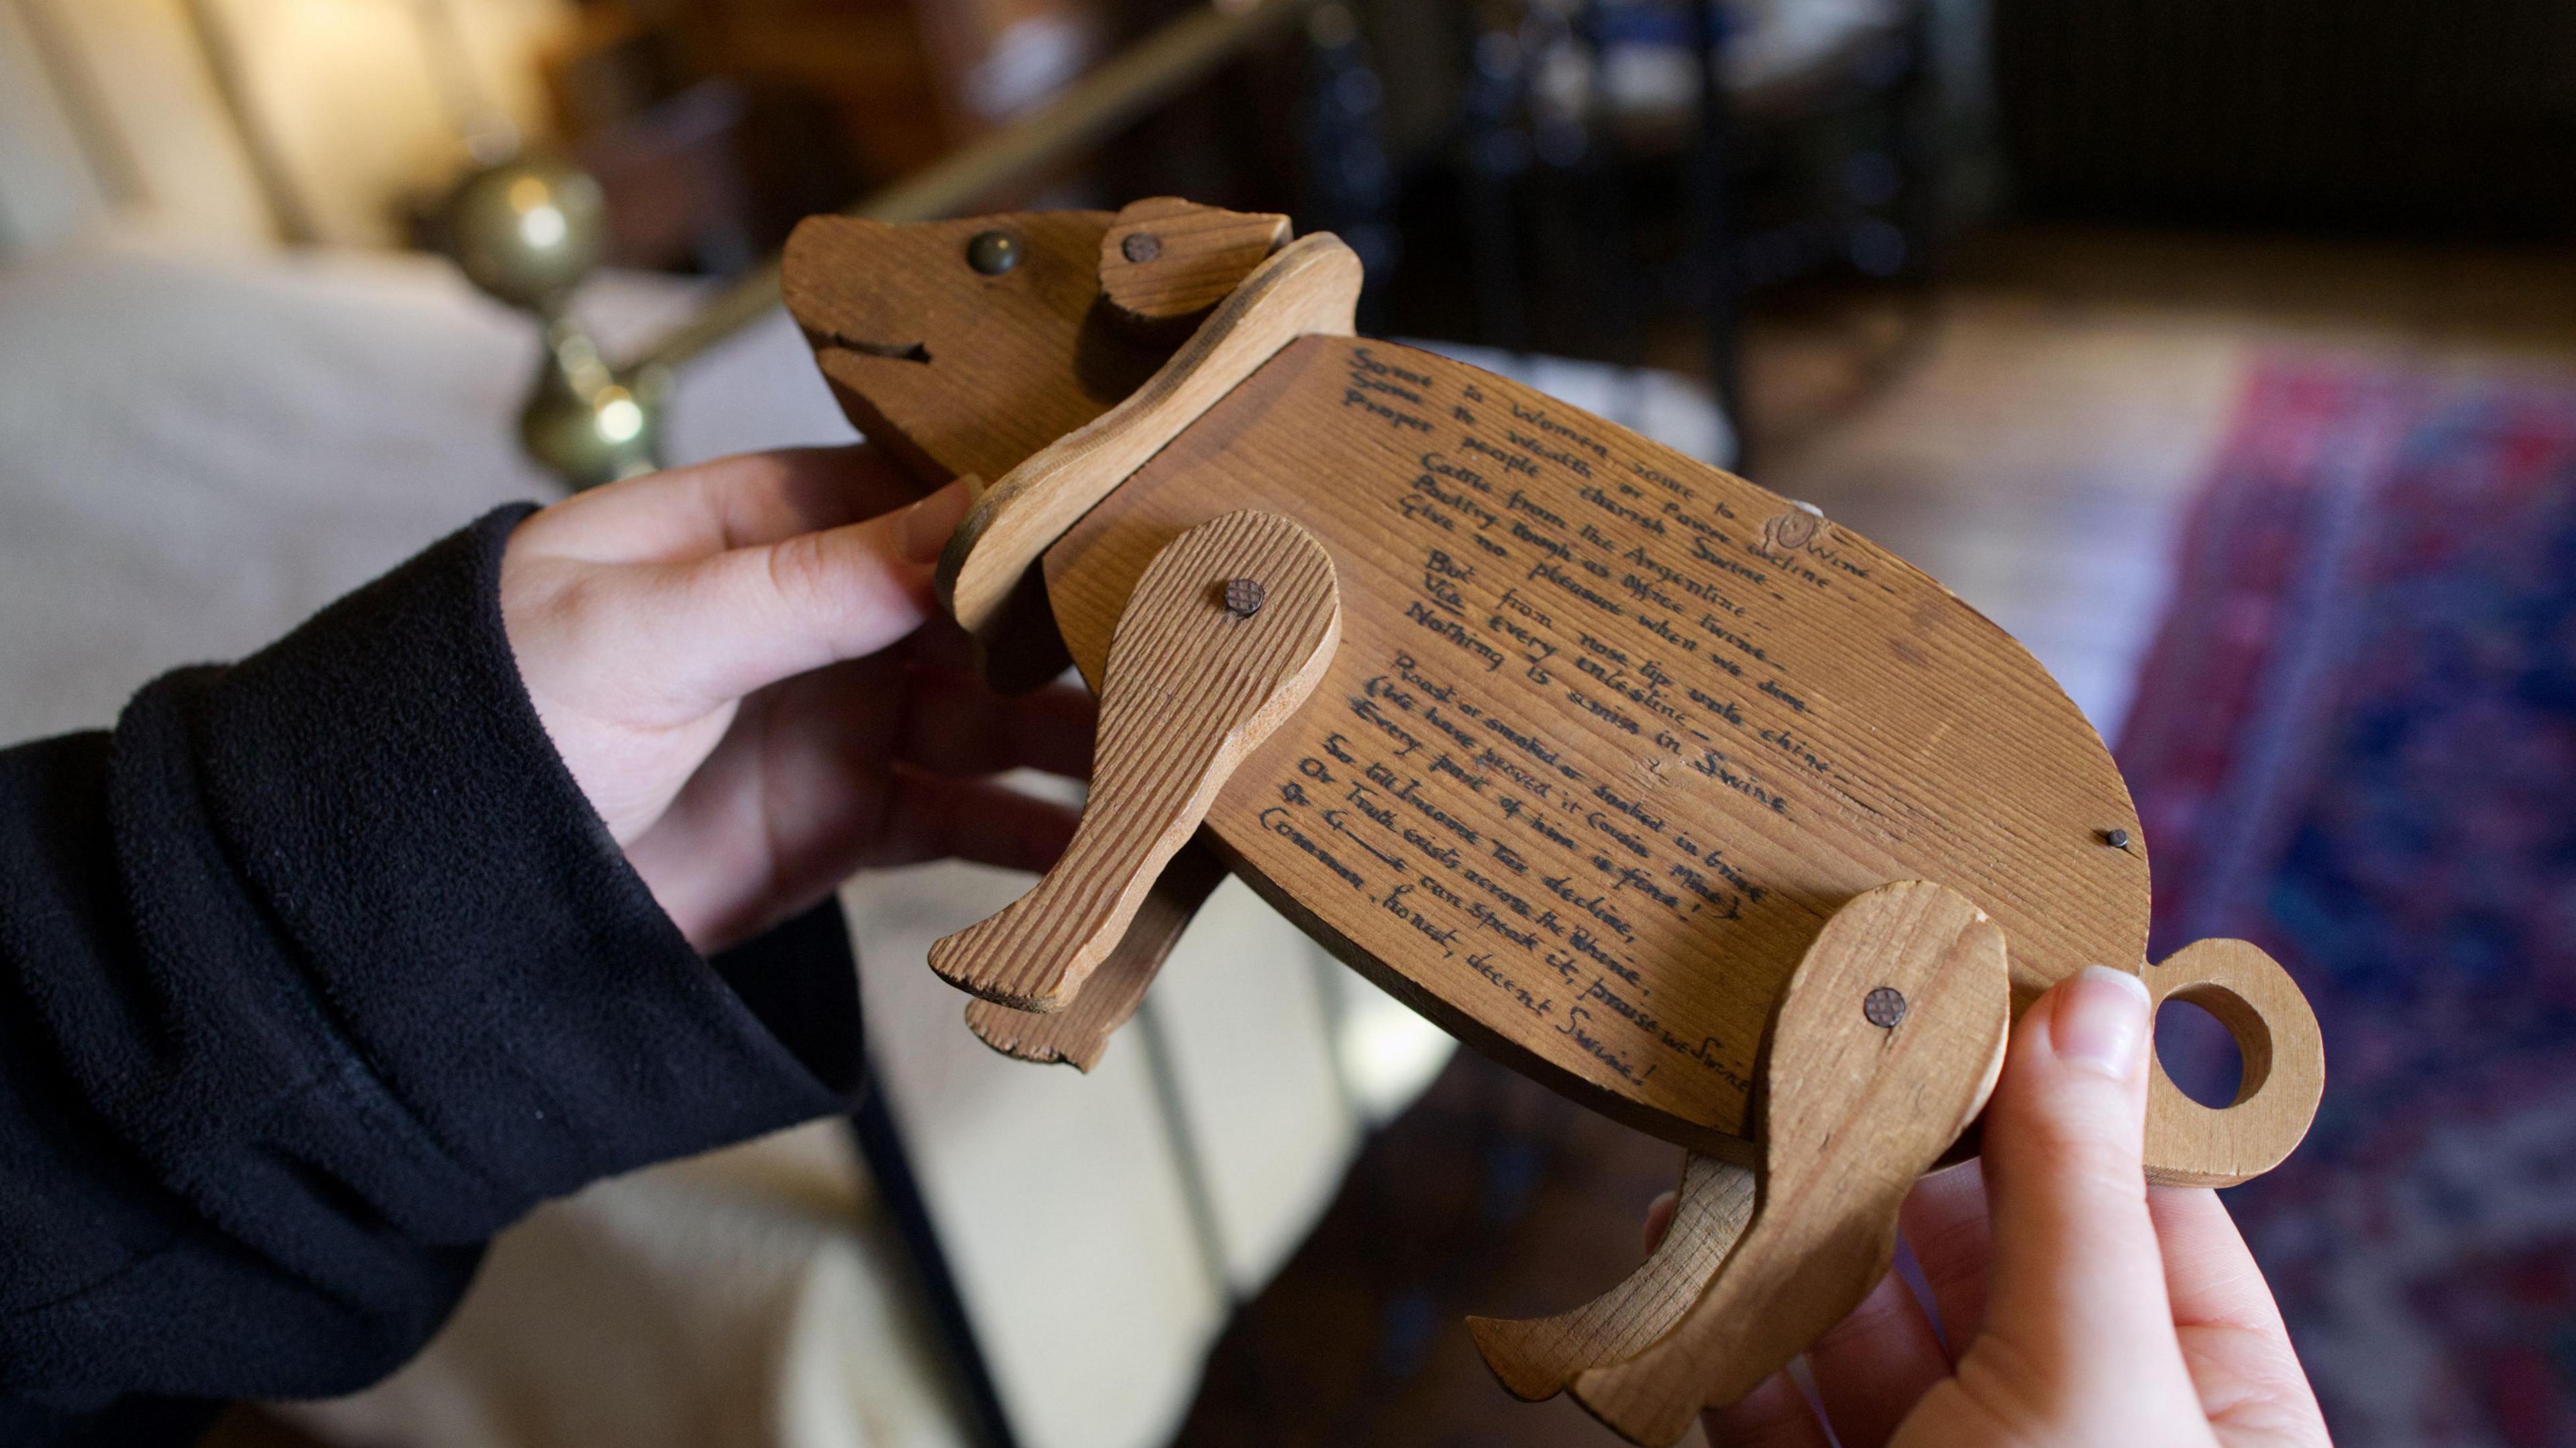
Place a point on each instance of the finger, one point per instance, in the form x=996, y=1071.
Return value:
x=2078, y=1294
x=1774, y=1415
x=958, y=726
x=745, y=619
x=2210, y=1276
x=1659, y=1219
x=1944, y=1221
x=2234, y=1342
x=1873, y=1366
x=733, y=502
x=972, y=819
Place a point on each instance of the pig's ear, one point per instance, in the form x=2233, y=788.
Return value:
x=964, y=346
x=1165, y=263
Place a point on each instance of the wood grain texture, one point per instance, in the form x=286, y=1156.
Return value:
x=1534, y=1357
x=2284, y=1074
x=1188, y=688
x=1165, y=260
x=1078, y=1034
x=1309, y=287
x=1853, y=1112
x=949, y=369
x=1609, y=737
x=1607, y=740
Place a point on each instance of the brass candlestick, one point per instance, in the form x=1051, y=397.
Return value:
x=526, y=231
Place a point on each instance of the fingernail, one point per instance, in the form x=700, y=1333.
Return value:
x=2101, y=1020
x=922, y=532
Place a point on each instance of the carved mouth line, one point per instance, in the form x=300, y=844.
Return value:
x=899, y=351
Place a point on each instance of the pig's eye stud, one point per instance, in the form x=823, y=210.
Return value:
x=992, y=252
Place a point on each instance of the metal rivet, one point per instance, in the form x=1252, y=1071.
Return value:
x=1141, y=246
x=1883, y=1007
x=1796, y=529
x=1244, y=596
x=993, y=252
x=2116, y=839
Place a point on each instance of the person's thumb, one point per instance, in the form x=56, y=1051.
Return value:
x=2078, y=1293
x=747, y=618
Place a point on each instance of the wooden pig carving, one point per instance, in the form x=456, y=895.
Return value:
x=1647, y=782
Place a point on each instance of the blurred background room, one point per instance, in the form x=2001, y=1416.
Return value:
x=2224, y=351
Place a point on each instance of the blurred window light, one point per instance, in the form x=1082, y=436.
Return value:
x=1387, y=1054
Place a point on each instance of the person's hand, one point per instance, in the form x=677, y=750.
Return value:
x=2079, y=1305
x=732, y=661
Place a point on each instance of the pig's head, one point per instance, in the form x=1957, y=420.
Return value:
x=965, y=346
x=957, y=367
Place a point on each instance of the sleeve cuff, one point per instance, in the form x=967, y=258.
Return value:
x=385, y=789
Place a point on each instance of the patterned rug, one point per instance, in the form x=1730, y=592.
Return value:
x=2355, y=744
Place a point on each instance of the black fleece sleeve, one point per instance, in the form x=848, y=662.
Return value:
x=315, y=973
